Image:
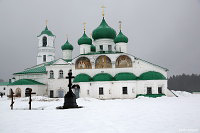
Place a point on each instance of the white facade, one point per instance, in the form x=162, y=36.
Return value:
x=110, y=59
x=121, y=47
x=67, y=54
x=84, y=49
x=104, y=45
x=46, y=49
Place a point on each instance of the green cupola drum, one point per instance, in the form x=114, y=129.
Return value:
x=121, y=40
x=67, y=49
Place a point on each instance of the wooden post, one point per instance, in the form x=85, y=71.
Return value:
x=12, y=101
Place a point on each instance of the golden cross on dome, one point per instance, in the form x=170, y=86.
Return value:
x=120, y=25
x=66, y=36
x=84, y=26
x=103, y=10
x=46, y=22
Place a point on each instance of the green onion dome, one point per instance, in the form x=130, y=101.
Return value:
x=103, y=31
x=84, y=40
x=93, y=48
x=47, y=32
x=121, y=38
x=67, y=46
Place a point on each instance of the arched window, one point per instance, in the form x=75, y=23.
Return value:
x=51, y=74
x=18, y=92
x=44, y=41
x=83, y=63
x=27, y=91
x=103, y=62
x=61, y=74
x=123, y=61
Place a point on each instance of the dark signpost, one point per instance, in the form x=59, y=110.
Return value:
x=28, y=93
x=70, y=97
x=12, y=102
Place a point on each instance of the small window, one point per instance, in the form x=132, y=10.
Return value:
x=61, y=74
x=149, y=90
x=124, y=90
x=109, y=92
x=101, y=47
x=109, y=47
x=100, y=90
x=51, y=74
x=159, y=90
x=44, y=41
x=88, y=92
x=4, y=88
x=44, y=58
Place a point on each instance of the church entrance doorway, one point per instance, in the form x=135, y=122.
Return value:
x=51, y=93
x=27, y=91
x=76, y=90
x=61, y=93
x=18, y=92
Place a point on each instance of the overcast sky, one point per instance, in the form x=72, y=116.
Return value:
x=164, y=32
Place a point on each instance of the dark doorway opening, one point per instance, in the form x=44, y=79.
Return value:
x=51, y=93
x=149, y=90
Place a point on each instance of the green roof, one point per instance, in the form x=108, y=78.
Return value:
x=67, y=46
x=151, y=95
x=84, y=40
x=82, y=78
x=47, y=32
x=103, y=31
x=125, y=76
x=121, y=38
x=41, y=69
x=4, y=83
x=93, y=48
x=152, y=75
x=102, y=77
x=26, y=82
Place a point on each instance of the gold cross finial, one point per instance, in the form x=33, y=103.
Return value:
x=120, y=25
x=103, y=10
x=46, y=22
x=66, y=37
x=84, y=26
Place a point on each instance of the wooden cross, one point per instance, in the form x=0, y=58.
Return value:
x=103, y=10
x=12, y=101
x=29, y=94
x=70, y=77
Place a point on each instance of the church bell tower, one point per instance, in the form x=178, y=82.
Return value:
x=46, y=47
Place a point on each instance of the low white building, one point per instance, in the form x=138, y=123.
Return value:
x=103, y=70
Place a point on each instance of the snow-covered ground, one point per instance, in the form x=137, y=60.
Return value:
x=141, y=115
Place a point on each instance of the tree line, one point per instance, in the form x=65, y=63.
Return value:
x=189, y=83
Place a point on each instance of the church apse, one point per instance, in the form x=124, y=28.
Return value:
x=123, y=61
x=103, y=62
x=83, y=63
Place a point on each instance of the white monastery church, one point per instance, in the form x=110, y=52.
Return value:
x=103, y=69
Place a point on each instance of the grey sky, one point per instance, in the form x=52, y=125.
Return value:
x=164, y=32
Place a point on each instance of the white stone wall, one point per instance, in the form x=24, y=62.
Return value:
x=67, y=54
x=58, y=83
x=85, y=48
x=105, y=43
x=49, y=50
x=3, y=89
x=41, y=90
x=121, y=47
